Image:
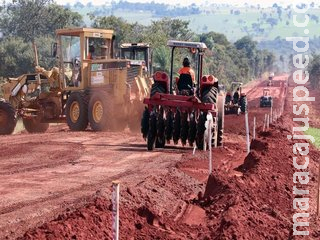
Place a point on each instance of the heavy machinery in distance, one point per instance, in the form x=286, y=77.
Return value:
x=270, y=79
x=89, y=86
x=266, y=98
x=236, y=100
x=179, y=111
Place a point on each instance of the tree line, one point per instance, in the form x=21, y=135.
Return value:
x=25, y=21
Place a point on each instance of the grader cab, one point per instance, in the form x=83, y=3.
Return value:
x=89, y=86
x=170, y=115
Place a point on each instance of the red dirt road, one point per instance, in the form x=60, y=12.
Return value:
x=57, y=185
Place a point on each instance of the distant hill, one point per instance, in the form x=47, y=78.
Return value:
x=235, y=22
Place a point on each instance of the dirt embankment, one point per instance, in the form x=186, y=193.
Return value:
x=246, y=197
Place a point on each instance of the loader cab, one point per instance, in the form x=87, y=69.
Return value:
x=137, y=53
x=195, y=52
x=79, y=51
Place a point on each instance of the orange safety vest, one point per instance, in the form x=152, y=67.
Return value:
x=187, y=70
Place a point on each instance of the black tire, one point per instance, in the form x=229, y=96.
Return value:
x=161, y=138
x=176, y=127
x=169, y=126
x=243, y=104
x=100, y=114
x=77, y=111
x=220, y=120
x=34, y=125
x=145, y=123
x=192, y=129
x=8, y=118
x=152, y=131
x=209, y=95
x=184, y=128
x=200, y=130
x=157, y=87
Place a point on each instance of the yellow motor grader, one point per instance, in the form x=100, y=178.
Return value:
x=89, y=86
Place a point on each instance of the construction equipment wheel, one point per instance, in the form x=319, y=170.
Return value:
x=184, y=128
x=192, y=129
x=161, y=138
x=169, y=125
x=8, y=118
x=99, y=111
x=209, y=95
x=200, y=130
x=77, y=111
x=34, y=125
x=243, y=104
x=220, y=126
x=145, y=123
x=152, y=133
x=157, y=87
x=176, y=127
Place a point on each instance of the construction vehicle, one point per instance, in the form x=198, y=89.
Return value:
x=139, y=80
x=270, y=79
x=88, y=87
x=236, y=100
x=266, y=99
x=179, y=111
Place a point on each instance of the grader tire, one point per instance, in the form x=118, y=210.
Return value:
x=8, y=119
x=99, y=113
x=34, y=125
x=77, y=111
x=152, y=133
x=220, y=120
x=176, y=127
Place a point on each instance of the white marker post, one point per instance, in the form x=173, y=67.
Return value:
x=264, y=123
x=115, y=209
x=268, y=122
x=248, y=132
x=271, y=115
x=254, y=128
x=209, y=119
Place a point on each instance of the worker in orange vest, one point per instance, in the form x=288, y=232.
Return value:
x=186, y=69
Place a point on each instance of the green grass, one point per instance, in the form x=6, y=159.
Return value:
x=315, y=132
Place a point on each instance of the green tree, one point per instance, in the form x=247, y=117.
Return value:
x=314, y=71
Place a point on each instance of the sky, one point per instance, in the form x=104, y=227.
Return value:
x=184, y=2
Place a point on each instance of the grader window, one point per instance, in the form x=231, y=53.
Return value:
x=97, y=48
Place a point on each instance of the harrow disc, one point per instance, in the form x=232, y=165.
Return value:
x=169, y=125
x=200, y=130
x=152, y=133
x=161, y=138
x=184, y=128
x=176, y=127
x=192, y=129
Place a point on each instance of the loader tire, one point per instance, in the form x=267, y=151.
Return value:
x=220, y=120
x=200, y=130
x=184, y=128
x=152, y=133
x=8, y=118
x=157, y=87
x=34, y=125
x=176, y=127
x=192, y=129
x=99, y=113
x=77, y=111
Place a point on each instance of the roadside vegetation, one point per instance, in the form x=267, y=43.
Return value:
x=24, y=22
x=315, y=132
